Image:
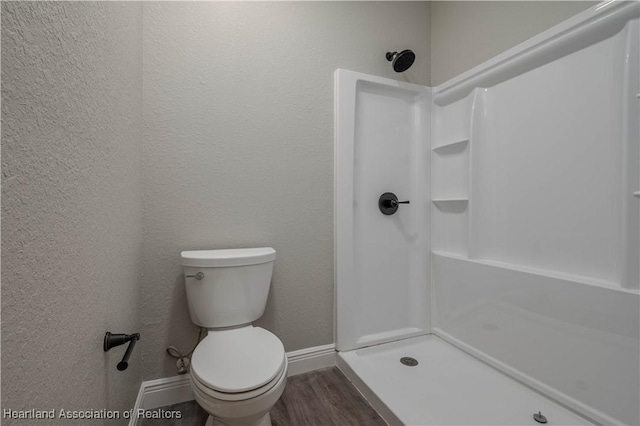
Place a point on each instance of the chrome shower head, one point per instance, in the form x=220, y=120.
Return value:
x=401, y=61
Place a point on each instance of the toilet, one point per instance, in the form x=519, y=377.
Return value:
x=238, y=371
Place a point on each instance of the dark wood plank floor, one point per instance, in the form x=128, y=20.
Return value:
x=323, y=397
x=319, y=398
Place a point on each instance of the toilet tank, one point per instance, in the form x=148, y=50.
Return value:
x=233, y=285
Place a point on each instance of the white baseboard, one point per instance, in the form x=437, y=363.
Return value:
x=177, y=389
x=310, y=359
x=160, y=393
x=165, y=391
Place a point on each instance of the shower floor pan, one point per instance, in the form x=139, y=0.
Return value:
x=447, y=387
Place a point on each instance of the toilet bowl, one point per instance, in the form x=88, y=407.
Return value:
x=238, y=371
x=238, y=375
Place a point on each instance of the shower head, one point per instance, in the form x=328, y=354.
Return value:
x=401, y=61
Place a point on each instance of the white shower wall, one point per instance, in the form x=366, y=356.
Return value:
x=382, y=133
x=535, y=260
x=534, y=225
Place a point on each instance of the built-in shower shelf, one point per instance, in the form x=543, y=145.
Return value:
x=451, y=204
x=449, y=200
x=636, y=194
x=451, y=147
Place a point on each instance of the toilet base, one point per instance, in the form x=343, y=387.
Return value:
x=262, y=421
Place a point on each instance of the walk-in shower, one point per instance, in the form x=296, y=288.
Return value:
x=517, y=256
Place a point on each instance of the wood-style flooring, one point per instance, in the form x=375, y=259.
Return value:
x=323, y=397
x=319, y=398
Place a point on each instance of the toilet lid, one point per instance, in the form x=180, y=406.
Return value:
x=238, y=360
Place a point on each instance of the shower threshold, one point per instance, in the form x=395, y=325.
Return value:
x=446, y=387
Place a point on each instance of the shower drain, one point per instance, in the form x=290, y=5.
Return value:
x=407, y=360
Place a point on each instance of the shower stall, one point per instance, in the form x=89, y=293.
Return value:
x=510, y=282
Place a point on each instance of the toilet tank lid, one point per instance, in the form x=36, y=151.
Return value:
x=228, y=257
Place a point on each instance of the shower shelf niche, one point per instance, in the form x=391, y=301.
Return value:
x=445, y=201
x=451, y=147
x=450, y=171
x=450, y=174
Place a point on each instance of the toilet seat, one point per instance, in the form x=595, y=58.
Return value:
x=241, y=396
x=238, y=364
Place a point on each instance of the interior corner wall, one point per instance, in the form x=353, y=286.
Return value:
x=71, y=203
x=238, y=147
x=467, y=33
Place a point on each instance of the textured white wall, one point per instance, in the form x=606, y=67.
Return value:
x=467, y=33
x=71, y=202
x=238, y=147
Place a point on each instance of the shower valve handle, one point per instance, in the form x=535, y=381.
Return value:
x=388, y=203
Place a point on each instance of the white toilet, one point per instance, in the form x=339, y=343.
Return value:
x=238, y=372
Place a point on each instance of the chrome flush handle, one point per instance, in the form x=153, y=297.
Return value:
x=198, y=276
